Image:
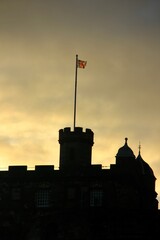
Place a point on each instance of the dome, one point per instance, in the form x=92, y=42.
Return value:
x=144, y=167
x=125, y=151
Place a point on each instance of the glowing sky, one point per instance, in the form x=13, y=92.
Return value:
x=118, y=92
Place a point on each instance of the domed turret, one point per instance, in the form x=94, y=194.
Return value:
x=125, y=151
x=125, y=157
x=146, y=181
x=143, y=167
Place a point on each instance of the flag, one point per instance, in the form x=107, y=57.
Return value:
x=81, y=63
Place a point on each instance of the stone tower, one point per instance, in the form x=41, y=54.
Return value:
x=75, y=148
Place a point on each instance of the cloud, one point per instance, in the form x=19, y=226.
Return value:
x=118, y=92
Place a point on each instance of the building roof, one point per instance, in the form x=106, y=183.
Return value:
x=144, y=167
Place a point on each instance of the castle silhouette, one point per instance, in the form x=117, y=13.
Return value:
x=81, y=200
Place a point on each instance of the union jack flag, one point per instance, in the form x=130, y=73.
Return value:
x=81, y=63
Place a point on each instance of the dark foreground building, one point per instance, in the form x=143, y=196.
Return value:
x=80, y=200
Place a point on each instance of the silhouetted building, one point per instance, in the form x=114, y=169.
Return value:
x=80, y=200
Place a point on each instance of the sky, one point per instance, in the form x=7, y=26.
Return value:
x=118, y=91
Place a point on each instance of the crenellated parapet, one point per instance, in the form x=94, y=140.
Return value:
x=78, y=135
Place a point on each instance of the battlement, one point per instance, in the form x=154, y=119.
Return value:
x=76, y=130
x=44, y=168
x=17, y=171
x=78, y=135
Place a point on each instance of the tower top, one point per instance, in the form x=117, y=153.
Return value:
x=66, y=135
x=75, y=148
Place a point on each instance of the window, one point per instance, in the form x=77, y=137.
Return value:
x=96, y=196
x=42, y=198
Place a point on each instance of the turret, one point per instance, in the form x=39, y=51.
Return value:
x=125, y=158
x=75, y=148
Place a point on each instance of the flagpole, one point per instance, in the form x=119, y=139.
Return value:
x=75, y=93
